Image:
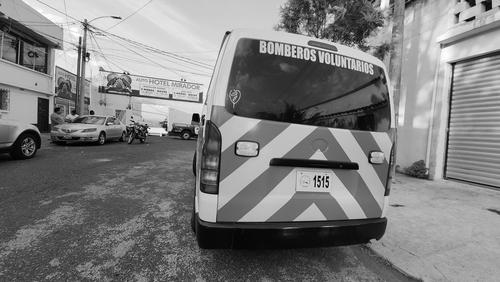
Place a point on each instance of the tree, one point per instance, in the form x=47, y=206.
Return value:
x=348, y=22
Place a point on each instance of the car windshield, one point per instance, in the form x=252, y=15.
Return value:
x=90, y=120
x=307, y=86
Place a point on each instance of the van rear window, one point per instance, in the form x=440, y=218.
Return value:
x=296, y=84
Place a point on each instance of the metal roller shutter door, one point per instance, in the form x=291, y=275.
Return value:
x=473, y=152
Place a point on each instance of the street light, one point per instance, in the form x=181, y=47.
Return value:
x=82, y=62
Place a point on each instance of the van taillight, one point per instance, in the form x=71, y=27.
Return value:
x=390, y=173
x=210, y=160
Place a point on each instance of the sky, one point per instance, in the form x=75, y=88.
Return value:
x=189, y=28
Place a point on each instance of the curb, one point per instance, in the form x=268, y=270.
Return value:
x=391, y=264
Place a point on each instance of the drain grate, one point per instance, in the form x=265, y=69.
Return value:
x=494, y=211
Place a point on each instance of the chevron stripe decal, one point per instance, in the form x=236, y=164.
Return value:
x=250, y=190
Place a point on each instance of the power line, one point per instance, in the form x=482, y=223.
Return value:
x=137, y=53
x=149, y=63
x=61, y=12
x=142, y=50
x=166, y=53
x=135, y=12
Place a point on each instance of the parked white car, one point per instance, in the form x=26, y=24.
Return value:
x=89, y=128
x=157, y=131
x=20, y=140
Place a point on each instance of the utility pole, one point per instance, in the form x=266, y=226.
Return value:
x=77, y=87
x=396, y=63
x=82, y=74
x=397, y=51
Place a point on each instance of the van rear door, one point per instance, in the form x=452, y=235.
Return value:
x=304, y=138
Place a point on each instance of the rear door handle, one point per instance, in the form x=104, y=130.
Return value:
x=313, y=163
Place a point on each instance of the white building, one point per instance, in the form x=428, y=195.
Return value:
x=450, y=95
x=27, y=51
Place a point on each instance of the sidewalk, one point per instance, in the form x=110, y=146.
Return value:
x=442, y=230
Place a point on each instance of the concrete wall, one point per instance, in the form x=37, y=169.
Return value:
x=461, y=42
x=433, y=41
x=24, y=104
x=425, y=21
x=22, y=12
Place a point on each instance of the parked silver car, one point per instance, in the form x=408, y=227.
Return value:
x=89, y=128
x=20, y=140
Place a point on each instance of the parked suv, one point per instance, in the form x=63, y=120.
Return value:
x=20, y=140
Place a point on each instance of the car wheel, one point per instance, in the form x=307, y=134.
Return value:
x=124, y=135
x=102, y=138
x=185, y=135
x=24, y=147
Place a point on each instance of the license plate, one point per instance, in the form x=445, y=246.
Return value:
x=314, y=181
x=67, y=137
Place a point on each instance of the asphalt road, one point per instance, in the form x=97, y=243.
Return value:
x=121, y=212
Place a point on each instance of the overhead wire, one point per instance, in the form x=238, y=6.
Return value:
x=195, y=72
x=127, y=17
x=171, y=55
x=154, y=49
x=139, y=54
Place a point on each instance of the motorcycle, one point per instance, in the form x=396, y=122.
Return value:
x=137, y=131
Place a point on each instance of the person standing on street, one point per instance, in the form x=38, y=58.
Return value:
x=71, y=117
x=56, y=118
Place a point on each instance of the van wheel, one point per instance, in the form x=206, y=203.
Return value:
x=185, y=135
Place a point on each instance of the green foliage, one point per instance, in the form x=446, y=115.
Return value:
x=417, y=169
x=348, y=22
x=381, y=50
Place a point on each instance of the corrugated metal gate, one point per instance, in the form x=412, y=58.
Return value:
x=473, y=152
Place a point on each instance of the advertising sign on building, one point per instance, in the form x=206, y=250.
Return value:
x=142, y=86
x=66, y=91
x=66, y=85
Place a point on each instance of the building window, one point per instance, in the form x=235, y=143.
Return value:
x=4, y=99
x=9, y=48
x=24, y=52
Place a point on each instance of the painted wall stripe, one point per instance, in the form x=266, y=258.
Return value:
x=254, y=167
x=263, y=133
x=356, y=154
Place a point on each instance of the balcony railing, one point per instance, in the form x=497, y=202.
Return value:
x=469, y=10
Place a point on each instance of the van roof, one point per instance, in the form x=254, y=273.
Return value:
x=303, y=40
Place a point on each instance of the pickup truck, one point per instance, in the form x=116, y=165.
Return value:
x=184, y=130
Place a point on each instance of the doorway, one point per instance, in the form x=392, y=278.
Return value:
x=43, y=115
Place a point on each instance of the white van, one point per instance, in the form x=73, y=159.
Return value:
x=295, y=145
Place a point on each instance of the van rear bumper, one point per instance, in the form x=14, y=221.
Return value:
x=289, y=234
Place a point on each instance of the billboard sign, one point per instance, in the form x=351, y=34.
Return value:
x=66, y=85
x=142, y=86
